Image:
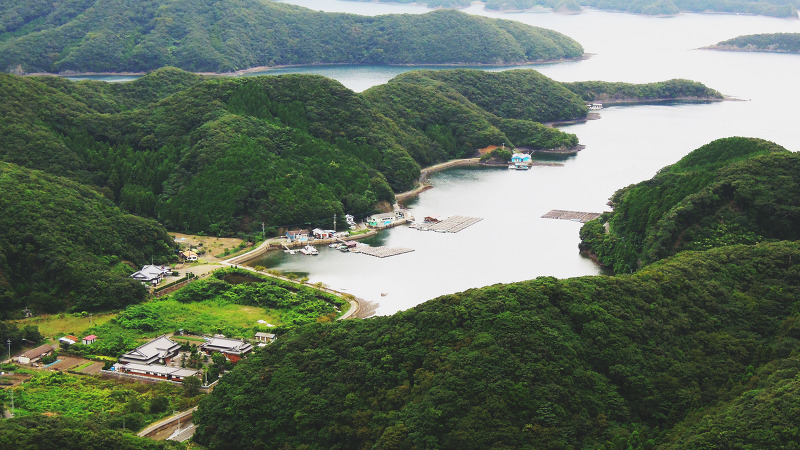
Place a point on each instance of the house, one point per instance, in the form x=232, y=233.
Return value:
x=265, y=337
x=520, y=158
x=89, y=340
x=520, y=161
x=160, y=350
x=322, y=234
x=156, y=371
x=36, y=354
x=152, y=274
x=233, y=349
x=297, y=235
x=189, y=255
x=68, y=339
x=381, y=220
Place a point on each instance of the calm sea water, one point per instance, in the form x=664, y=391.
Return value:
x=626, y=145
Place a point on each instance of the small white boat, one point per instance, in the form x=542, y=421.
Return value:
x=595, y=106
x=291, y=252
x=334, y=245
x=309, y=250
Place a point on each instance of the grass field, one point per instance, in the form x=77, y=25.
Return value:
x=54, y=326
x=81, y=397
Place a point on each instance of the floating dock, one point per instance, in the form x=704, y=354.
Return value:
x=452, y=224
x=575, y=216
x=381, y=252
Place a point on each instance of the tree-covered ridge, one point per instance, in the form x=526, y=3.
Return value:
x=229, y=35
x=285, y=150
x=615, y=92
x=222, y=155
x=511, y=94
x=587, y=362
x=770, y=42
x=733, y=190
x=65, y=246
x=775, y=8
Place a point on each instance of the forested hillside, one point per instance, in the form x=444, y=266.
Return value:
x=668, y=356
x=610, y=92
x=774, y=42
x=588, y=362
x=775, y=8
x=731, y=191
x=229, y=35
x=65, y=246
x=221, y=154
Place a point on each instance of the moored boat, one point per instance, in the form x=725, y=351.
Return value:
x=309, y=250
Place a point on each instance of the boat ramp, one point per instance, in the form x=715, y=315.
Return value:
x=452, y=224
x=575, y=216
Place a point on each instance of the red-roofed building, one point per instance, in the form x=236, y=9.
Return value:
x=88, y=340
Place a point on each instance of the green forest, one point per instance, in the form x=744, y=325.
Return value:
x=222, y=155
x=730, y=191
x=618, y=93
x=64, y=246
x=774, y=8
x=770, y=42
x=230, y=35
x=673, y=355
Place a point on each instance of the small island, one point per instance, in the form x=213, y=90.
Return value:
x=769, y=42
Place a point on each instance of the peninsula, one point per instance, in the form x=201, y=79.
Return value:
x=770, y=42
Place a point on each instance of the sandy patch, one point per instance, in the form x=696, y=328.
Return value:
x=212, y=245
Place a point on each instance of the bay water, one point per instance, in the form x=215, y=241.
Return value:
x=626, y=145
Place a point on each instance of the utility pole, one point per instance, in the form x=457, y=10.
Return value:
x=8, y=341
x=334, y=222
x=263, y=231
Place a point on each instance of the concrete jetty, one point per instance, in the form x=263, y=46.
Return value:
x=575, y=216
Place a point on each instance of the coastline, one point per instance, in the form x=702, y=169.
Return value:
x=256, y=69
x=423, y=176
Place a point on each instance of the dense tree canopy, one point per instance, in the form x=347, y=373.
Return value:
x=587, y=362
x=229, y=35
x=733, y=190
x=63, y=245
x=220, y=154
x=609, y=92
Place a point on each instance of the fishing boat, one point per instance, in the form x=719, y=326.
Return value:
x=309, y=250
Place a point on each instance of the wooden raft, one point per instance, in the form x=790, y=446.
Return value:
x=575, y=216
